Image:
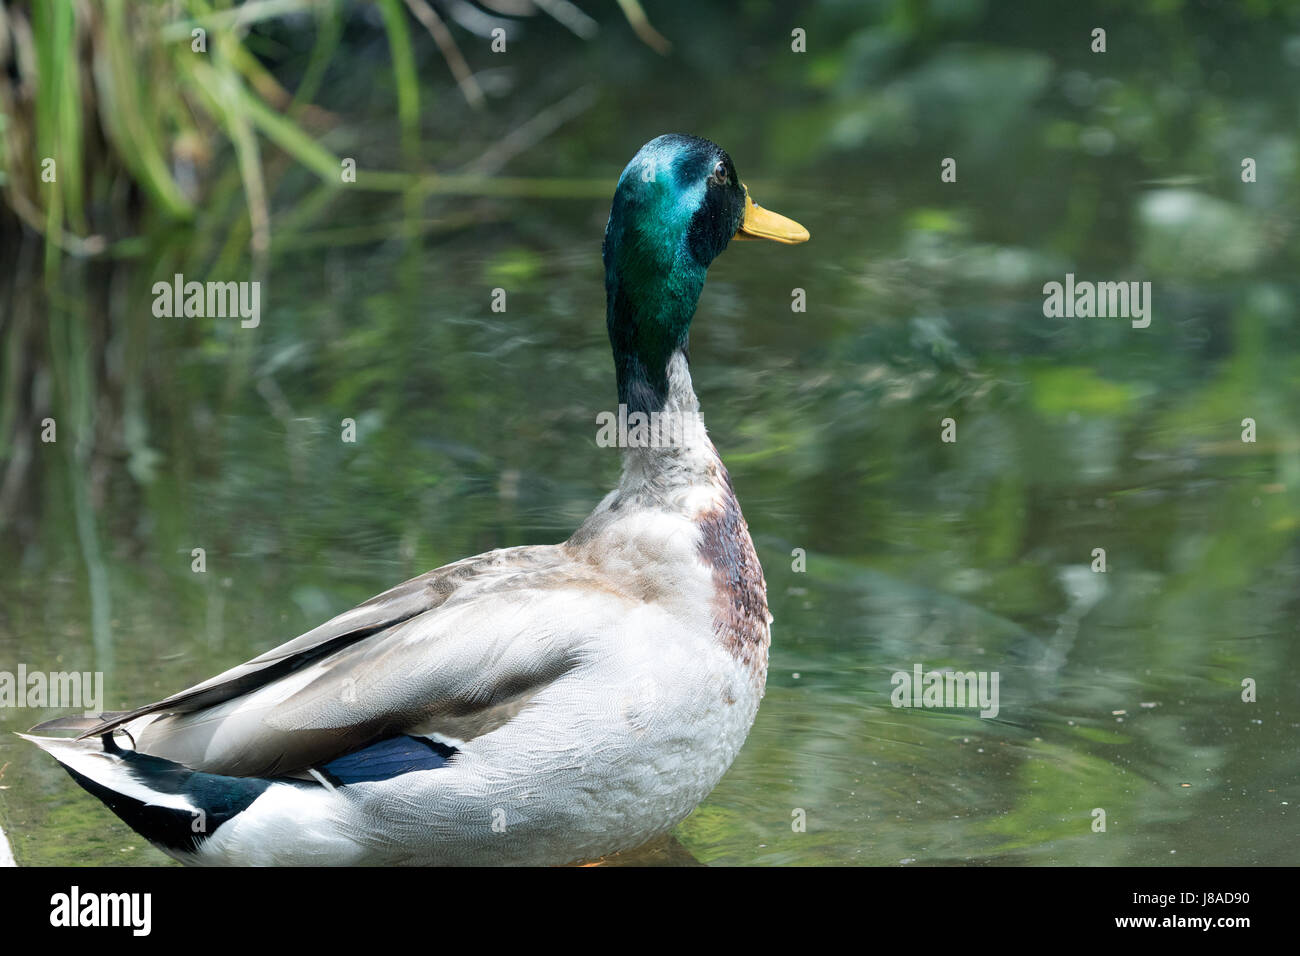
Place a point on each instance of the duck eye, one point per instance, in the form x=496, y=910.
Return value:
x=720, y=173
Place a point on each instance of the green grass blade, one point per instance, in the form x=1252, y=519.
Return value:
x=404, y=75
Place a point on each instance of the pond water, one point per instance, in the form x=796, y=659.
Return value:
x=884, y=546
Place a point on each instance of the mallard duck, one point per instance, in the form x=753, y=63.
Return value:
x=532, y=705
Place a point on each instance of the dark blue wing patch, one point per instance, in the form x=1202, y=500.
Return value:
x=387, y=759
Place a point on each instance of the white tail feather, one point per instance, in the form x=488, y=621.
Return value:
x=88, y=758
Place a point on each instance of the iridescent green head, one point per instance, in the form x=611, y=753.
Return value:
x=677, y=205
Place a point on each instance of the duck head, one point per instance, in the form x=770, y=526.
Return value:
x=677, y=205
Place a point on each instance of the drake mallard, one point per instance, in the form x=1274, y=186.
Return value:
x=535, y=705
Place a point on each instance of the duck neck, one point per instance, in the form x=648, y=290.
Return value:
x=669, y=454
x=651, y=290
x=684, y=475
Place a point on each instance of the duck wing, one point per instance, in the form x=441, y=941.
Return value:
x=455, y=652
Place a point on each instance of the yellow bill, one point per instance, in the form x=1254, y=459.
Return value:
x=760, y=223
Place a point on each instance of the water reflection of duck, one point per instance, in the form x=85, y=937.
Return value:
x=530, y=705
